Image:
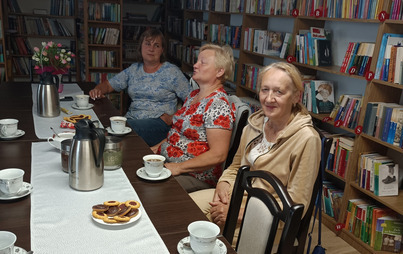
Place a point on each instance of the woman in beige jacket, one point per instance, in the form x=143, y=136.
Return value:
x=279, y=138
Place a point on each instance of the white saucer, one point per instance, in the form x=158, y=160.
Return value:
x=18, y=134
x=124, y=132
x=132, y=220
x=219, y=248
x=90, y=105
x=166, y=173
x=19, y=250
x=26, y=187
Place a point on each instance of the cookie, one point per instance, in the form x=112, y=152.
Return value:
x=112, y=211
x=133, y=203
x=99, y=215
x=133, y=213
x=109, y=220
x=100, y=208
x=121, y=218
x=111, y=203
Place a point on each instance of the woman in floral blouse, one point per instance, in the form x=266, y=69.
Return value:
x=199, y=139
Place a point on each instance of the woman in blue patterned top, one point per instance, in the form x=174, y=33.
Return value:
x=154, y=87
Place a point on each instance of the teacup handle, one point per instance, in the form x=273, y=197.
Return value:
x=3, y=130
x=50, y=143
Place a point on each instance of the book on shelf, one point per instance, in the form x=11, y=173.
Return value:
x=274, y=41
x=286, y=45
x=388, y=234
x=323, y=52
x=383, y=61
x=323, y=96
x=332, y=197
x=370, y=117
x=388, y=180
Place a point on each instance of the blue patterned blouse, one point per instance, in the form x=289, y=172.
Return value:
x=152, y=94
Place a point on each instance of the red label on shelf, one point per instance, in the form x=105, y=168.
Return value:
x=337, y=123
x=383, y=15
x=326, y=119
x=358, y=130
x=352, y=70
x=290, y=59
x=339, y=226
x=369, y=76
x=318, y=13
x=295, y=13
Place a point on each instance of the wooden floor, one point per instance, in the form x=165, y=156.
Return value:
x=331, y=242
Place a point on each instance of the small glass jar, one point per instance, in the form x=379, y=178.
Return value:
x=113, y=152
x=65, y=146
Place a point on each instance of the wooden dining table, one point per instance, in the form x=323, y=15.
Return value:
x=167, y=204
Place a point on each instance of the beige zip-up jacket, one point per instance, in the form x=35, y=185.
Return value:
x=294, y=158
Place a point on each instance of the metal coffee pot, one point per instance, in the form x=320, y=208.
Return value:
x=48, y=104
x=86, y=168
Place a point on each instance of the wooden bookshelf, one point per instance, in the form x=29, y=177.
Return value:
x=3, y=55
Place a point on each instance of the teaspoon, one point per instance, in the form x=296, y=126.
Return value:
x=55, y=132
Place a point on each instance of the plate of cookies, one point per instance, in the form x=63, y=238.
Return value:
x=115, y=213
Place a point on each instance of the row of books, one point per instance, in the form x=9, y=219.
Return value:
x=233, y=6
x=21, y=66
x=102, y=35
x=385, y=63
x=98, y=77
x=62, y=7
x=221, y=34
x=1, y=54
x=358, y=57
x=176, y=4
x=21, y=46
x=175, y=25
x=396, y=10
x=250, y=73
x=104, y=11
x=384, y=121
x=376, y=226
x=270, y=7
x=339, y=155
x=378, y=174
x=347, y=110
x=13, y=6
x=133, y=32
x=252, y=103
x=2, y=74
x=350, y=9
x=318, y=96
x=196, y=29
x=190, y=54
x=175, y=49
x=37, y=26
x=314, y=47
x=130, y=50
x=102, y=58
x=266, y=42
x=331, y=199
x=200, y=5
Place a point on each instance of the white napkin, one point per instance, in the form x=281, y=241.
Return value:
x=61, y=219
x=42, y=124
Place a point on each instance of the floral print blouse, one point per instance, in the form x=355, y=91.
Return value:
x=187, y=137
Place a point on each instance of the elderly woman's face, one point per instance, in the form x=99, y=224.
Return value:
x=277, y=94
x=151, y=49
x=204, y=70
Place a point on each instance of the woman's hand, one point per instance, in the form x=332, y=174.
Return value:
x=100, y=90
x=96, y=94
x=174, y=168
x=220, y=203
x=221, y=193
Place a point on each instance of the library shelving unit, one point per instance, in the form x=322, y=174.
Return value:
x=174, y=30
x=27, y=24
x=3, y=60
x=137, y=17
x=344, y=30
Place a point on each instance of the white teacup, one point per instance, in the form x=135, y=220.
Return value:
x=154, y=164
x=11, y=180
x=118, y=123
x=203, y=236
x=56, y=141
x=82, y=100
x=8, y=127
x=7, y=241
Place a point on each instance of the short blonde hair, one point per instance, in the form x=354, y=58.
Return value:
x=223, y=59
x=295, y=77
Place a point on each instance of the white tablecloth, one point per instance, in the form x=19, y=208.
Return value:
x=43, y=124
x=61, y=219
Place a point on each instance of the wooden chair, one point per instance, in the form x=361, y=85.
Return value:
x=262, y=215
x=305, y=222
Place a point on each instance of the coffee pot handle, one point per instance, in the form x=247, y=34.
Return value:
x=101, y=136
x=57, y=81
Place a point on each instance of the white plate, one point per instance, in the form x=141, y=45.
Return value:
x=141, y=172
x=90, y=105
x=124, y=132
x=19, y=250
x=132, y=220
x=18, y=134
x=26, y=187
x=219, y=247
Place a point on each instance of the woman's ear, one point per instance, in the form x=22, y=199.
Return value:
x=297, y=97
x=220, y=72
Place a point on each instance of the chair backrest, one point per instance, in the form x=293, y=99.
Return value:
x=241, y=119
x=305, y=222
x=262, y=214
